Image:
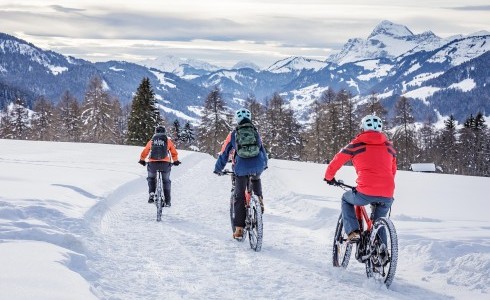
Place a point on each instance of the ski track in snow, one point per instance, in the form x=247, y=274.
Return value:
x=191, y=255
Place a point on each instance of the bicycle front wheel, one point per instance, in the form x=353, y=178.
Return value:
x=341, y=251
x=383, y=245
x=255, y=232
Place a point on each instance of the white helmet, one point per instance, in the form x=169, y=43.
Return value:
x=371, y=122
x=241, y=114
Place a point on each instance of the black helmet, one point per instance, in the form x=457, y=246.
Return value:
x=160, y=129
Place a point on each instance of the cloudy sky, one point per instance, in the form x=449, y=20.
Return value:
x=224, y=32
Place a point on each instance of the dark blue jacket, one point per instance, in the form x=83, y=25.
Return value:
x=243, y=166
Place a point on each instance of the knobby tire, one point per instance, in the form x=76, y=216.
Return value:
x=341, y=251
x=382, y=265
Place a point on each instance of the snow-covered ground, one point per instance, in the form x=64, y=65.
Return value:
x=75, y=224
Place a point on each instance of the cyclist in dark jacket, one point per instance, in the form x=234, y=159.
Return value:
x=161, y=155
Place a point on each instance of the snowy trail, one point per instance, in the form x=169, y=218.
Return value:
x=191, y=254
x=83, y=230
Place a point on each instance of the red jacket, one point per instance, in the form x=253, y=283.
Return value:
x=374, y=159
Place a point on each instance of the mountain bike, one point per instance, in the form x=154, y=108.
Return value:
x=253, y=220
x=377, y=247
x=159, y=196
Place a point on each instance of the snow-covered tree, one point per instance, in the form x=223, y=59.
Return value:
x=68, y=119
x=97, y=113
x=43, y=120
x=16, y=121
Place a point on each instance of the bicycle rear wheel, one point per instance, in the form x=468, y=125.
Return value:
x=159, y=197
x=341, y=251
x=384, y=248
x=256, y=227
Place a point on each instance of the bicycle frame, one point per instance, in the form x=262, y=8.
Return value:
x=363, y=218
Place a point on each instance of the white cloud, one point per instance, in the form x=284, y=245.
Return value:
x=221, y=31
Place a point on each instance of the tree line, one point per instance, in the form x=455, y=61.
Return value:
x=99, y=118
x=333, y=120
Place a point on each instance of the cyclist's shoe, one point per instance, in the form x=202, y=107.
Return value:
x=261, y=201
x=238, y=234
x=167, y=203
x=151, y=198
x=354, y=237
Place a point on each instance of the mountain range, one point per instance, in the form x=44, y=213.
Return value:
x=443, y=75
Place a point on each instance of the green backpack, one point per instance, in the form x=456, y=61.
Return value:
x=247, y=141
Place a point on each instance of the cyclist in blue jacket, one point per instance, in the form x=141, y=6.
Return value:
x=249, y=162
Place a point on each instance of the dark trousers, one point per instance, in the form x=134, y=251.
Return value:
x=239, y=203
x=165, y=167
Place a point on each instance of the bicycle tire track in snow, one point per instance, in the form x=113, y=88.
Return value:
x=191, y=255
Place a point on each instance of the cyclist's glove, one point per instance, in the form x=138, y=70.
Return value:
x=177, y=162
x=142, y=162
x=332, y=181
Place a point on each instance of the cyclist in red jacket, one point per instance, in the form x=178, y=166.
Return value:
x=374, y=160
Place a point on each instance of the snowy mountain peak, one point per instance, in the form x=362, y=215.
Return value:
x=177, y=65
x=246, y=64
x=390, y=29
x=387, y=40
x=296, y=63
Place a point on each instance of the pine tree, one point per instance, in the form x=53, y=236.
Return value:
x=473, y=141
x=43, y=120
x=447, y=148
x=292, y=140
x=144, y=116
x=68, y=119
x=215, y=123
x=404, y=136
x=120, y=121
x=187, y=137
x=176, y=133
x=426, y=142
x=317, y=135
x=258, y=112
x=374, y=107
x=333, y=126
x=272, y=134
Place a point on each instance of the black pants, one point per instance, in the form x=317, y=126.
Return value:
x=239, y=203
x=165, y=167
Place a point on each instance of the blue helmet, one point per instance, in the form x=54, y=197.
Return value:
x=371, y=122
x=241, y=114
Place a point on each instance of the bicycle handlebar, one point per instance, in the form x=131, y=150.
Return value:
x=341, y=184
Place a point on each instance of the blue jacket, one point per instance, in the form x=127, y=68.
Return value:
x=242, y=166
